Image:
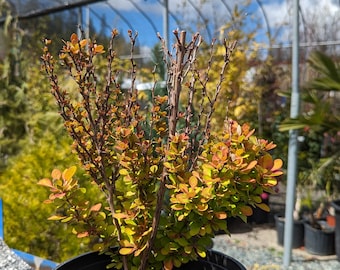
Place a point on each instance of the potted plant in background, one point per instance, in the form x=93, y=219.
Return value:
x=168, y=184
x=298, y=239
x=321, y=115
x=320, y=236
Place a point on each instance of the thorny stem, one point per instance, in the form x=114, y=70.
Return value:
x=110, y=185
x=229, y=48
x=174, y=92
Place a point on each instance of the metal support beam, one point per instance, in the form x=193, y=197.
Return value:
x=293, y=141
x=166, y=23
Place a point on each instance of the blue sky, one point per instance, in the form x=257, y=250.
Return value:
x=146, y=16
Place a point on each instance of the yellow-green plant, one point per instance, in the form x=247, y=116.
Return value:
x=169, y=183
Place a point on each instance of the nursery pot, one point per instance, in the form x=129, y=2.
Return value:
x=298, y=231
x=259, y=216
x=319, y=241
x=95, y=261
x=336, y=205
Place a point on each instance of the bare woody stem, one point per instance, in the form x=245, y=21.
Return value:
x=174, y=90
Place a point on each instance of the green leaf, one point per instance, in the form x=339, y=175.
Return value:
x=55, y=217
x=194, y=228
x=67, y=219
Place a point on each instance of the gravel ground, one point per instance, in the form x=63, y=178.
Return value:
x=257, y=249
x=10, y=261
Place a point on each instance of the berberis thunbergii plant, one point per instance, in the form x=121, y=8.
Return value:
x=168, y=183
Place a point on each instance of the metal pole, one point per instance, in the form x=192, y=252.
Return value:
x=166, y=23
x=87, y=21
x=80, y=21
x=166, y=29
x=293, y=141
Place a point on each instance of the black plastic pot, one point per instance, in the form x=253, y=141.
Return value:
x=298, y=231
x=319, y=241
x=259, y=216
x=94, y=261
x=336, y=205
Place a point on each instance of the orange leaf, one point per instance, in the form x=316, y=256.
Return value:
x=96, y=207
x=45, y=182
x=56, y=174
x=82, y=234
x=251, y=165
x=83, y=43
x=177, y=207
x=246, y=210
x=277, y=164
x=99, y=48
x=74, y=38
x=168, y=265
x=266, y=161
x=120, y=215
x=221, y=215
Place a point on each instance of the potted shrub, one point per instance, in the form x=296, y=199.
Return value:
x=320, y=97
x=168, y=183
x=298, y=225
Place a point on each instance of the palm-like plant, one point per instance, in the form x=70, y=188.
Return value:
x=319, y=98
x=321, y=114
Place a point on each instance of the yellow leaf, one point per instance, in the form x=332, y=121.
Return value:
x=182, y=198
x=193, y=181
x=207, y=192
x=147, y=232
x=126, y=250
x=177, y=207
x=153, y=168
x=139, y=251
x=271, y=182
x=68, y=173
x=123, y=172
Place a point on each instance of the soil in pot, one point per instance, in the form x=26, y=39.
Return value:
x=94, y=261
x=298, y=231
x=319, y=241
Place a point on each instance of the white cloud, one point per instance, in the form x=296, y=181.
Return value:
x=191, y=14
x=279, y=15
